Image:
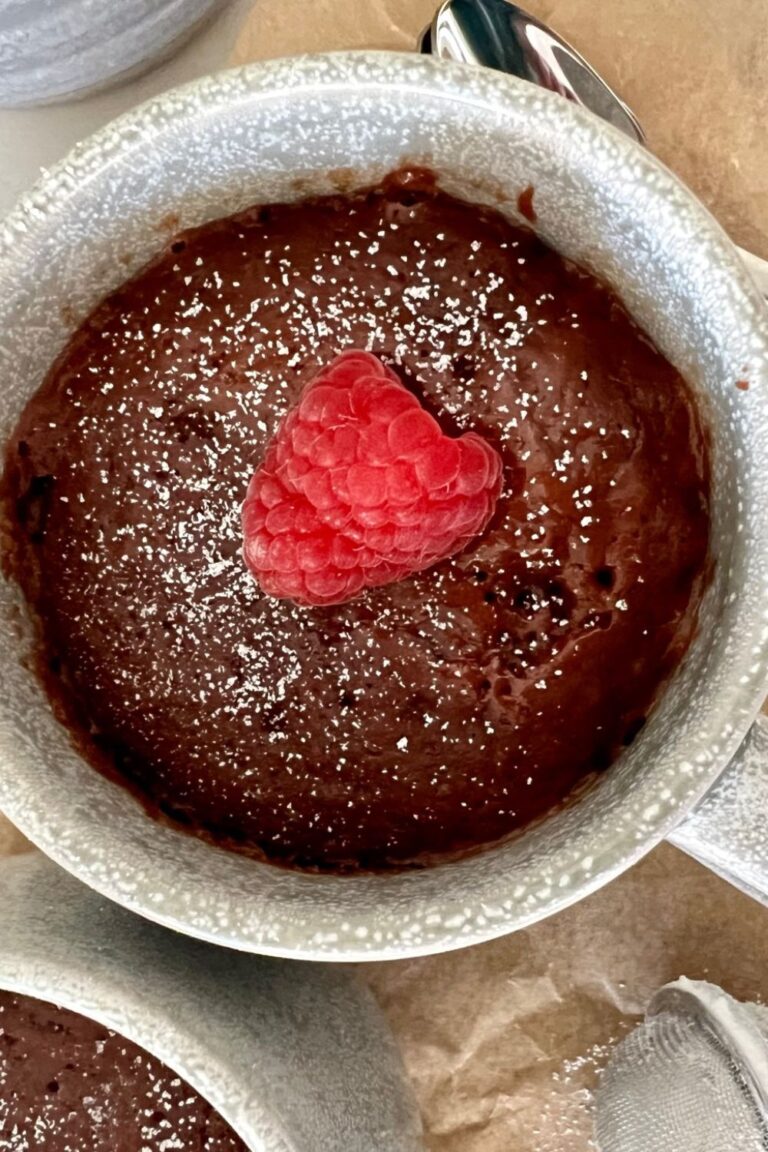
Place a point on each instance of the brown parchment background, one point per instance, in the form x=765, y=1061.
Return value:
x=502, y=1041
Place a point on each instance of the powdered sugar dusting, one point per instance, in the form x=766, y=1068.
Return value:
x=426, y=718
x=566, y=1122
x=67, y=1084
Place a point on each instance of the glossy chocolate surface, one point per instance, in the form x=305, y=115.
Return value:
x=67, y=1084
x=430, y=717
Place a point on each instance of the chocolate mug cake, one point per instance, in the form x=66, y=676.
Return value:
x=410, y=721
x=69, y=1084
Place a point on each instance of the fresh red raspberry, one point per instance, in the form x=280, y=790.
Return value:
x=360, y=487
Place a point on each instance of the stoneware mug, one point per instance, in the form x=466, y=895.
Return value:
x=60, y=50
x=225, y=142
x=295, y=1057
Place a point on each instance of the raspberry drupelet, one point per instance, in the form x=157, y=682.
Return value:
x=360, y=487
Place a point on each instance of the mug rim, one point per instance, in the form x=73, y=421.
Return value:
x=613, y=849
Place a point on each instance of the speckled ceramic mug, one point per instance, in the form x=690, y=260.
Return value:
x=295, y=1058
x=64, y=50
x=220, y=144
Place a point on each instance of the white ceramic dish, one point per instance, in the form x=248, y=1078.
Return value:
x=295, y=1057
x=67, y=49
x=224, y=142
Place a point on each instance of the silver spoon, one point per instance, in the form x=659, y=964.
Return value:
x=498, y=34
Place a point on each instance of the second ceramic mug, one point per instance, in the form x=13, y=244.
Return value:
x=295, y=1059
x=64, y=50
x=229, y=141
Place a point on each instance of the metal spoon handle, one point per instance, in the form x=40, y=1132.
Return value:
x=500, y=35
